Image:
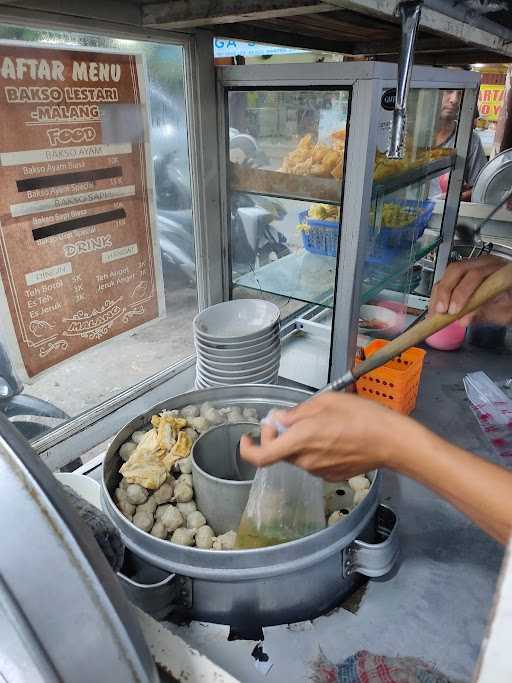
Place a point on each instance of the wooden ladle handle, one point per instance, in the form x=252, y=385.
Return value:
x=500, y=281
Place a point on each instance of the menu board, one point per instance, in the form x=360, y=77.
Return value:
x=79, y=259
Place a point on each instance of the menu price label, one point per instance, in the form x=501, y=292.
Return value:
x=79, y=258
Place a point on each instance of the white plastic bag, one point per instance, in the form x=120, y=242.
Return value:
x=493, y=410
x=285, y=503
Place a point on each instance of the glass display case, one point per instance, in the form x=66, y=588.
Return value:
x=319, y=220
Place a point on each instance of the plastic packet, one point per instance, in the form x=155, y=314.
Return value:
x=285, y=503
x=493, y=410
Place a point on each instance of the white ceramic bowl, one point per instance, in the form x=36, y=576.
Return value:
x=383, y=317
x=246, y=353
x=237, y=342
x=237, y=320
x=245, y=366
x=214, y=385
x=251, y=372
x=269, y=379
x=248, y=377
x=86, y=487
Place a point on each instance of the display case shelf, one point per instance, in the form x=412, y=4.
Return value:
x=418, y=174
x=311, y=278
x=256, y=181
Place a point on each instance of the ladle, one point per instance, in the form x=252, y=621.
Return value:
x=497, y=283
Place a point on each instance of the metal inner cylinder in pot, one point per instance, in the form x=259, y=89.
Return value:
x=222, y=479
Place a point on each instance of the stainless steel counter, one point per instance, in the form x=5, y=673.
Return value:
x=437, y=604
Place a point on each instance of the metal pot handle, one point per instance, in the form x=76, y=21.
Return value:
x=158, y=597
x=374, y=559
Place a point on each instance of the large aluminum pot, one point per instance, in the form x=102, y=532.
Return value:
x=267, y=586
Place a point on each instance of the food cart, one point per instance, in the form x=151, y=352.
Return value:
x=146, y=132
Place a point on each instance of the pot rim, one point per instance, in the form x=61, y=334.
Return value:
x=212, y=477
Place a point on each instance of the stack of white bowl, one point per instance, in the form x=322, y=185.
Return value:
x=237, y=342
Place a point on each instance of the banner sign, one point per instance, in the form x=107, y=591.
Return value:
x=490, y=101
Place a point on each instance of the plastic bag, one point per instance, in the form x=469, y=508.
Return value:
x=493, y=410
x=285, y=503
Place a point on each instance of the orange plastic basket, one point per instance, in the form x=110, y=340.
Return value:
x=396, y=383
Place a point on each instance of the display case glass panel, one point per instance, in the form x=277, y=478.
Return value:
x=82, y=382
x=320, y=220
x=400, y=241
x=286, y=160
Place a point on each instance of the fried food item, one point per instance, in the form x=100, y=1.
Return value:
x=319, y=152
x=396, y=216
x=302, y=168
x=322, y=212
x=337, y=171
x=326, y=161
x=305, y=141
x=319, y=212
x=318, y=160
x=300, y=154
x=158, y=450
x=148, y=465
x=330, y=160
x=338, y=137
x=182, y=446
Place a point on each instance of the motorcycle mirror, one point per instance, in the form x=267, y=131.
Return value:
x=5, y=389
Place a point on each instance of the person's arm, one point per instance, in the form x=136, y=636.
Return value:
x=336, y=436
x=475, y=161
x=460, y=281
x=479, y=489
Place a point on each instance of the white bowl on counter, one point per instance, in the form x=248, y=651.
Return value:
x=239, y=355
x=385, y=320
x=248, y=378
x=238, y=344
x=244, y=366
x=236, y=321
x=206, y=382
x=85, y=487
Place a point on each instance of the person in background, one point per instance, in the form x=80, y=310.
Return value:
x=445, y=137
x=339, y=435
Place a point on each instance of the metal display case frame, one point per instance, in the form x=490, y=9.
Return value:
x=366, y=81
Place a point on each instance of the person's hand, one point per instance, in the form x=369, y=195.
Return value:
x=459, y=282
x=467, y=191
x=334, y=436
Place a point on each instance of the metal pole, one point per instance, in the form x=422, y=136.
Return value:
x=201, y=98
x=353, y=242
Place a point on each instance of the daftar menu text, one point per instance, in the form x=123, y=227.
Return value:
x=77, y=236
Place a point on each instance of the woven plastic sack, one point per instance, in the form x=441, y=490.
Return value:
x=365, y=667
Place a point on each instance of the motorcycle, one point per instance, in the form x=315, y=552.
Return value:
x=255, y=241
x=14, y=403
